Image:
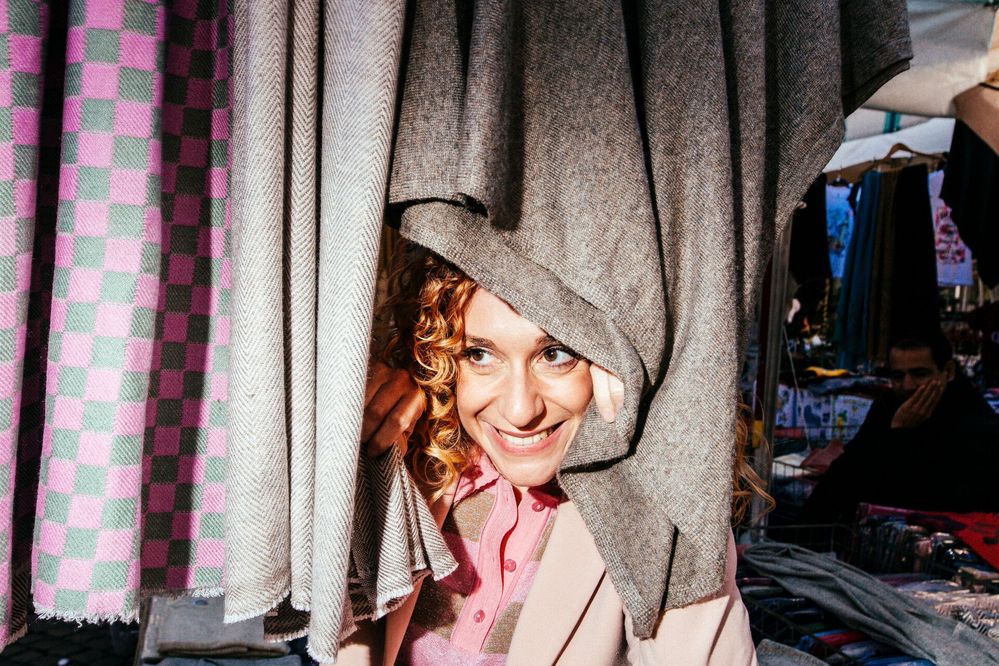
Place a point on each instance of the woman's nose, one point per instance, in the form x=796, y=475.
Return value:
x=522, y=401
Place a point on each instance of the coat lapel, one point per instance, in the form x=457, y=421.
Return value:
x=570, y=571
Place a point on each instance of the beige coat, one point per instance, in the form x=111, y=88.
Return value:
x=572, y=615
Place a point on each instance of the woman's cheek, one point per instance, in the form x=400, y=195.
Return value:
x=575, y=390
x=471, y=395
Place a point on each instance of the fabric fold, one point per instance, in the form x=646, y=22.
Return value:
x=617, y=172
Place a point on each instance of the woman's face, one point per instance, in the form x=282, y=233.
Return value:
x=521, y=394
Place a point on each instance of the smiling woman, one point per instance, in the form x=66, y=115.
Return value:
x=494, y=381
x=504, y=400
x=521, y=394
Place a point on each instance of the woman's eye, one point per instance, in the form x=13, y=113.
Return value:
x=559, y=356
x=477, y=356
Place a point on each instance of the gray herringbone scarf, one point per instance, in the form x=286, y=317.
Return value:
x=310, y=157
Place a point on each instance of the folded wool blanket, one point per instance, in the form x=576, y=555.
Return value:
x=864, y=603
x=311, y=140
x=618, y=172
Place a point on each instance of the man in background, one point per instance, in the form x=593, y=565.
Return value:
x=932, y=445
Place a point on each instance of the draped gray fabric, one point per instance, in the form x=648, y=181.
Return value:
x=618, y=172
x=311, y=144
x=864, y=603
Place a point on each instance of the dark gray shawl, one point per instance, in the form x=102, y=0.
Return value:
x=865, y=603
x=618, y=174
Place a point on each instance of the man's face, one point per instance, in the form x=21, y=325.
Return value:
x=911, y=368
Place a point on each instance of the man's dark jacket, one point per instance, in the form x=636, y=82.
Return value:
x=948, y=463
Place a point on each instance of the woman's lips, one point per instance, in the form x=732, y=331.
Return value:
x=523, y=449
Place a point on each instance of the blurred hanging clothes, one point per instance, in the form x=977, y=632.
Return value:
x=853, y=307
x=809, y=257
x=839, y=221
x=954, y=259
x=889, y=285
x=971, y=189
x=910, y=299
x=985, y=319
x=114, y=288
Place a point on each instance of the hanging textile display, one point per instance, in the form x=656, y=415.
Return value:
x=839, y=226
x=971, y=189
x=809, y=257
x=113, y=299
x=889, y=287
x=621, y=189
x=954, y=260
x=306, y=514
x=852, y=310
x=141, y=452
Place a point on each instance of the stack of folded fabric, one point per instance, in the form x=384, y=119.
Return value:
x=189, y=631
x=979, y=610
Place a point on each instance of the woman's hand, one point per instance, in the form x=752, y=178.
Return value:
x=393, y=403
x=608, y=392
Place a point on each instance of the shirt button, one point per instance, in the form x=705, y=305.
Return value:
x=479, y=616
x=510, y=565
x=538, y=506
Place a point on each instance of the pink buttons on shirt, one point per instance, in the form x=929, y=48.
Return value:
x=479, y=616
x=538, y=506
x=510, y=565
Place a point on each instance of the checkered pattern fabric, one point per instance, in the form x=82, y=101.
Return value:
x=130, y=491
x=26, y=223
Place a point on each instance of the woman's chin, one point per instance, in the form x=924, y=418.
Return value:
x=527, y=466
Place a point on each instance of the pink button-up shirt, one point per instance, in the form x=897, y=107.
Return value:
x=494, y=570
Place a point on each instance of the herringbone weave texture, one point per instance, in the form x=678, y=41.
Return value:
x=302, y=301
x=113, y=262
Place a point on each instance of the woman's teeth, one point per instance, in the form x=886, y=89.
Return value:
x=525, y=441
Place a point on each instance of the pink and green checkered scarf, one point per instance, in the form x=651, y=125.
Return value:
x=114, y=286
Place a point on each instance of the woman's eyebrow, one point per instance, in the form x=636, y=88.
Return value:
x=475, y=341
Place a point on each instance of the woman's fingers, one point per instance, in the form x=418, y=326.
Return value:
x=386, y=388
x=608, y=392
x=397, y=425
x=616, y=392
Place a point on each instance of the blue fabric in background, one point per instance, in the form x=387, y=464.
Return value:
x=852, y=312
x=839, y=226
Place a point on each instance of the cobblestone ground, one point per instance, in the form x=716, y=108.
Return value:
x=52, y=643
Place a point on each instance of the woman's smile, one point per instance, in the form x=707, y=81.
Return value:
x=525, y=444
